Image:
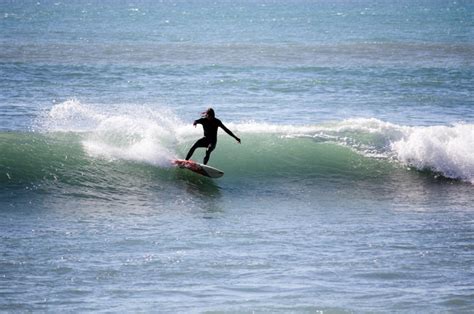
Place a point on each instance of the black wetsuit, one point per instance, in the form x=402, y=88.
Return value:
x=209, y=140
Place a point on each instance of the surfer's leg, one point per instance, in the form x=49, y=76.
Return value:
x=209, y=150
x=200, y=143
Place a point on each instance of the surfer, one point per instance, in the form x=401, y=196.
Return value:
x=210, y=125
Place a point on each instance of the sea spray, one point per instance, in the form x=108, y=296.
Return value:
x=126, y=138
x=133, y=132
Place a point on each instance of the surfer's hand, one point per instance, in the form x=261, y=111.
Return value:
x=238, y=140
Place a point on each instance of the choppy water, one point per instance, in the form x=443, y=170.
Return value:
x=352, y=189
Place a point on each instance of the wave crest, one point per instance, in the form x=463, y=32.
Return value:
x=448, y=150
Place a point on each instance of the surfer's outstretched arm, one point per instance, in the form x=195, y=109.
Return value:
x=198, y=121
x=229, y=132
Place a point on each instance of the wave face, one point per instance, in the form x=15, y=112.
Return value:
x=74, y=142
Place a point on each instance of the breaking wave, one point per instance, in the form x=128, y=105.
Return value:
x=74, y=139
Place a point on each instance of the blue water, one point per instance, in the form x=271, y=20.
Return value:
x=352, y=190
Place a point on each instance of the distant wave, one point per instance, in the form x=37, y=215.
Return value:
x=75, y=141
x=249, y=54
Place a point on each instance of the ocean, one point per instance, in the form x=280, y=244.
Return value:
x=352, y=189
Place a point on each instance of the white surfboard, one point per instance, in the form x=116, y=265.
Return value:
x=201, y=169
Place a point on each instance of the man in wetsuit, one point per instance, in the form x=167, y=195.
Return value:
x=210, y=125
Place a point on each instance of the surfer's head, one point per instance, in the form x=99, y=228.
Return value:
x=209, y=113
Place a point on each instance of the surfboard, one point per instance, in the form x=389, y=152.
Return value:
x=198, y=168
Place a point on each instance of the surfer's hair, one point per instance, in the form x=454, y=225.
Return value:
x=210, y=113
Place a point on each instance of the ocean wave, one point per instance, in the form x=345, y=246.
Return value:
x=73, y=138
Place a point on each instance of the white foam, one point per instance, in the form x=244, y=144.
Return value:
x=448, y=150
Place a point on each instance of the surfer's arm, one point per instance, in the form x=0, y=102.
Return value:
x=229, y=132
x=198, y=121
